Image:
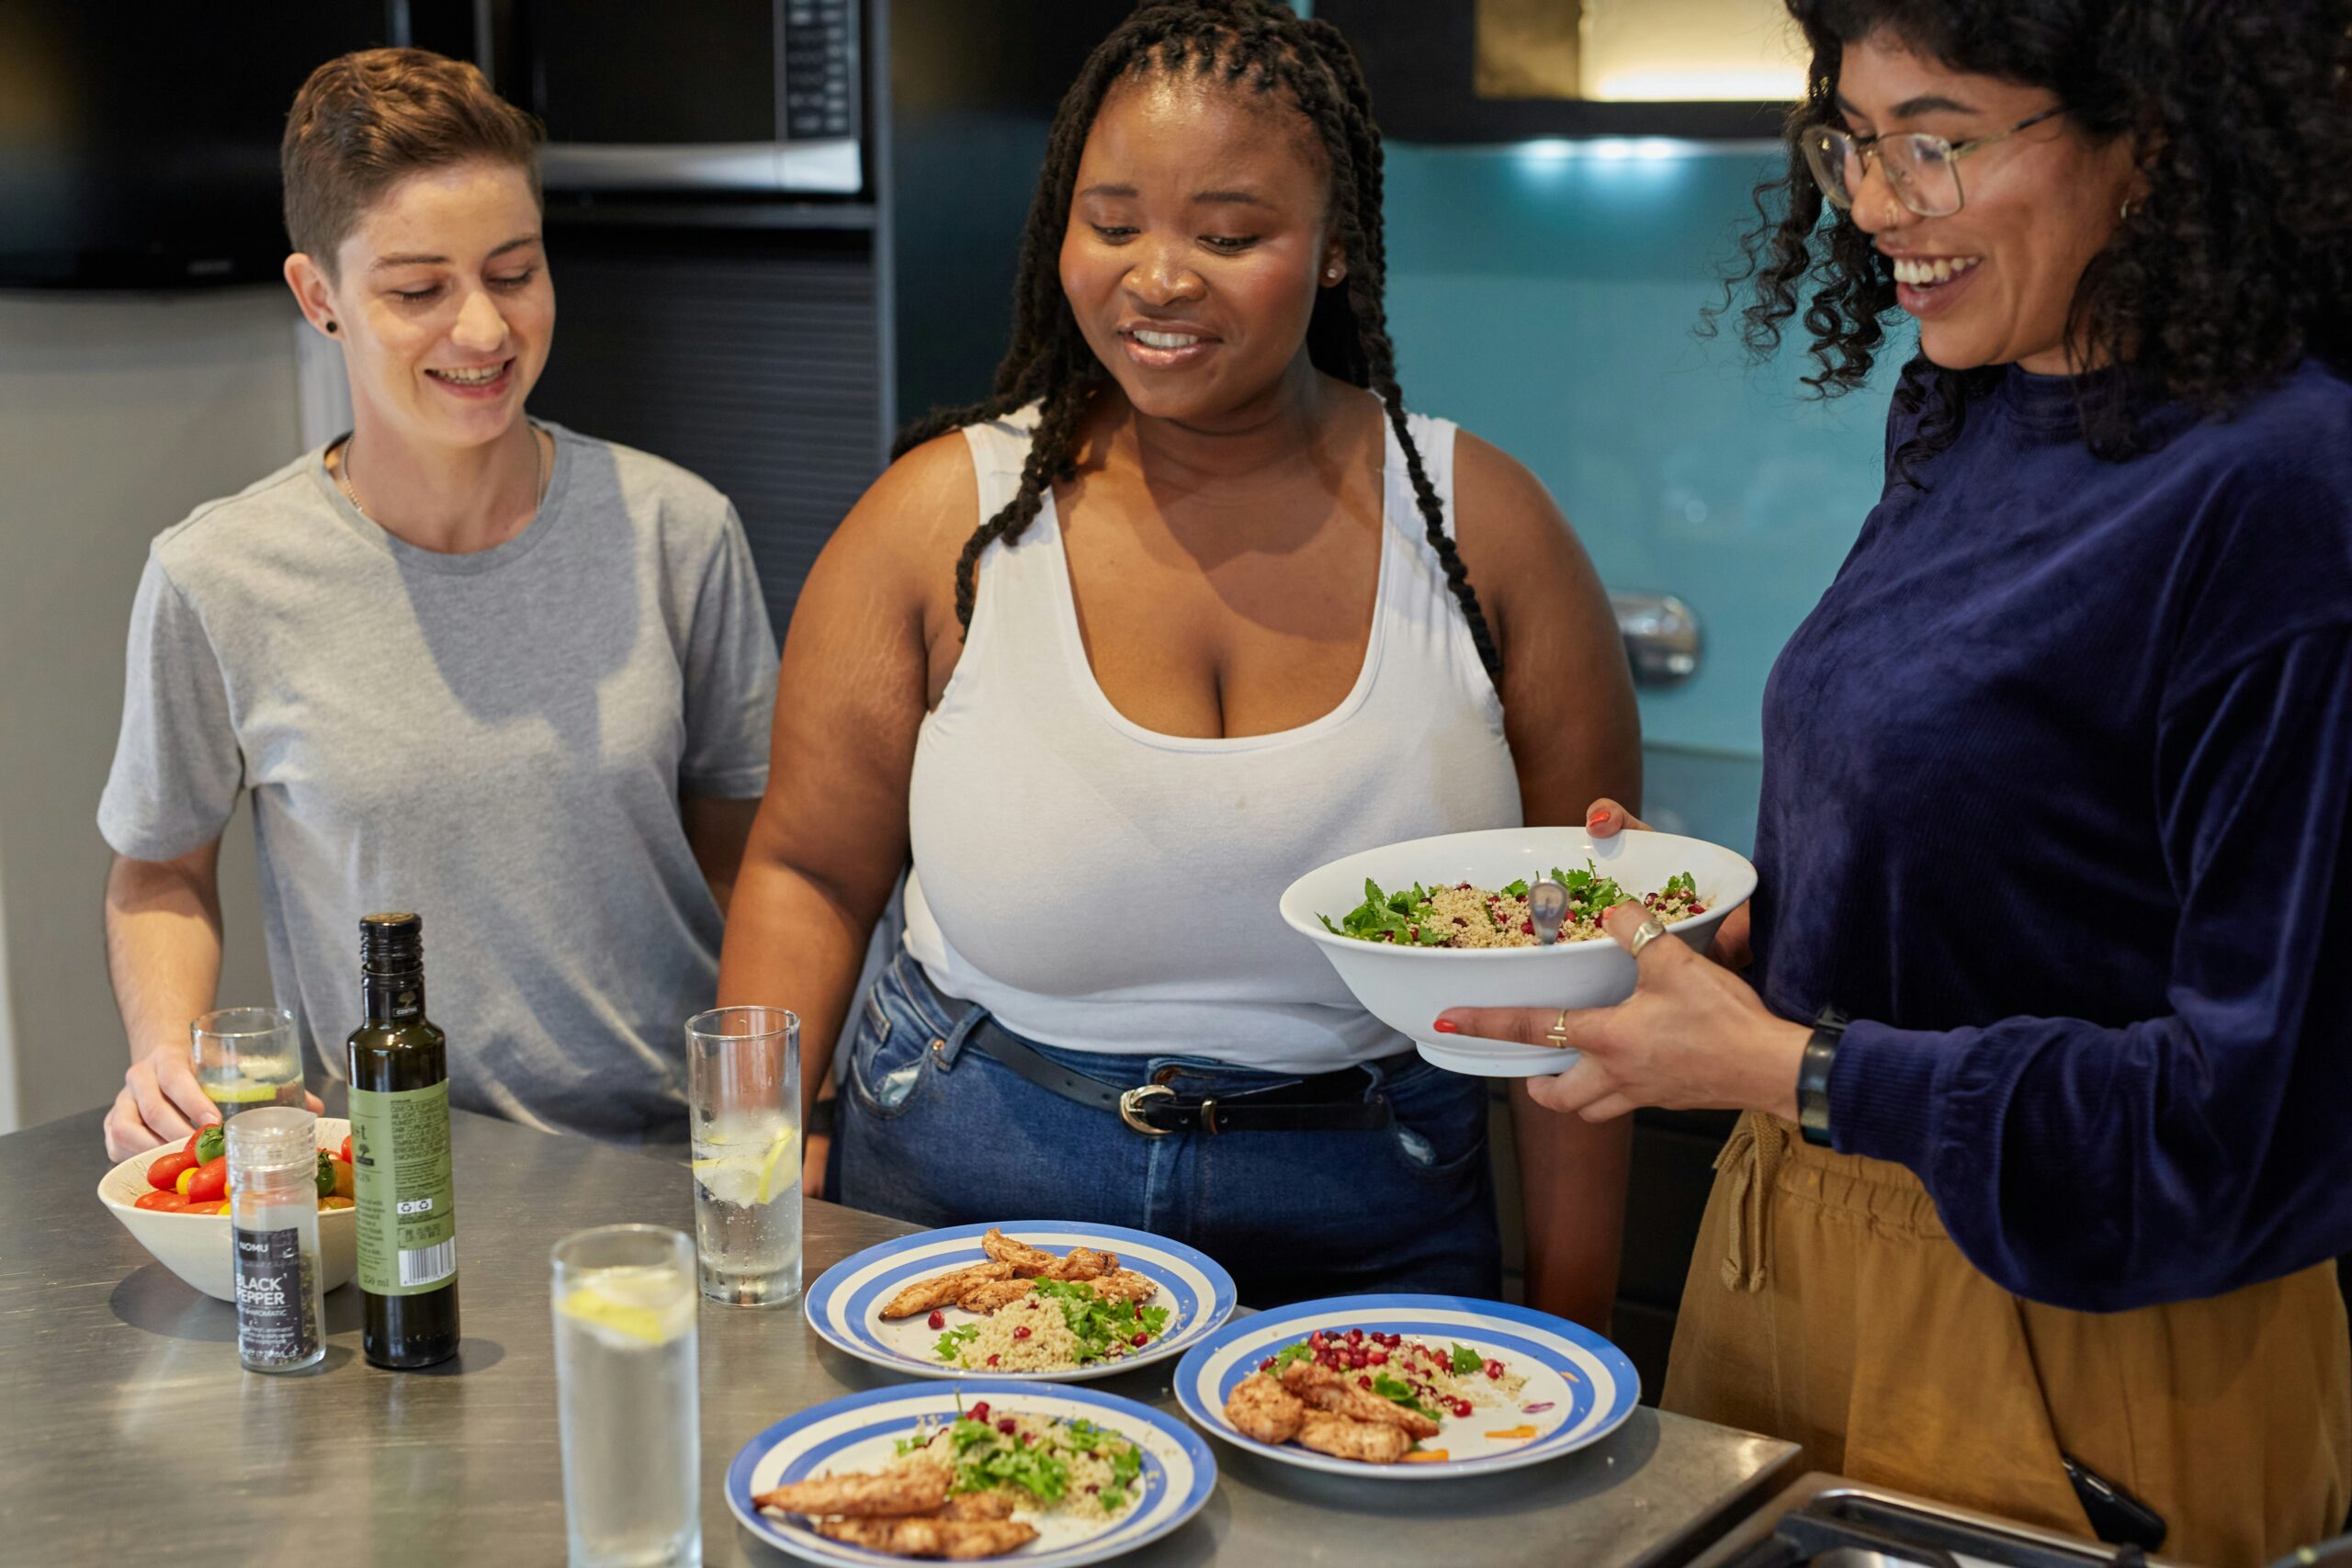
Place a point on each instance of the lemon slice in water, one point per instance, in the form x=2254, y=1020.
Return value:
x=651, y=1309
x=747, y=1179
x=244, y=1091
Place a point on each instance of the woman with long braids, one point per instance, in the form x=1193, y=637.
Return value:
x=1188, y=605
x=2057, y=792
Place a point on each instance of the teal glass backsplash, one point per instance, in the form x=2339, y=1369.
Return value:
x=1542, y=295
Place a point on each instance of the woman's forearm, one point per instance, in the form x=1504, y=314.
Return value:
x=1572, y=1182
x=793, y=942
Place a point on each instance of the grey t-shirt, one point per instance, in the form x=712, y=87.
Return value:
x=496, y=741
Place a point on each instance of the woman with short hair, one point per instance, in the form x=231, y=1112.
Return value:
x=467, y=663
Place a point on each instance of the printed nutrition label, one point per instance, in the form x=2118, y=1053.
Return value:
x=406, y=1202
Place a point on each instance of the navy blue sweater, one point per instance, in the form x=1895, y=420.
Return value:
x=2057, y=806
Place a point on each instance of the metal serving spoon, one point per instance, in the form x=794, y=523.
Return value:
x=1548, y=909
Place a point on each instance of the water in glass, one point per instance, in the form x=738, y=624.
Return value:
x=625, y=1348
x=747, y=1207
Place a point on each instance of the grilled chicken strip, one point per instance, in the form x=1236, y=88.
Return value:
x=1262, y=1408
x=907, y=1489
x=1027, y=1261
x=989, y=1294
x=941, y=1289
x=994, y=1504
x=1125, y=1285
x=959, y=1541
x=1082, y=1263
x=1327, y=1390
x=1374, y=1442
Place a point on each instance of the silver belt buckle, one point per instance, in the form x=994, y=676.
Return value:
x=1133, y=1098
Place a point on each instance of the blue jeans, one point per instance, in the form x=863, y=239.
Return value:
x=935, y=1133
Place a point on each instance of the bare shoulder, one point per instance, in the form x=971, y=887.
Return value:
x=1503, y=511
x=926, y=501
x=1519, y=549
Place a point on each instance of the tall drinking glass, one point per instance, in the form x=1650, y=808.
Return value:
x=743, y=1076
x=245, y=1057
x=626, y=1403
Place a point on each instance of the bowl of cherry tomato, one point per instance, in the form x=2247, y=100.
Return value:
x=175, y=1201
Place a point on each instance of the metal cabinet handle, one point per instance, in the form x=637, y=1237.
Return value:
x=1662, y=640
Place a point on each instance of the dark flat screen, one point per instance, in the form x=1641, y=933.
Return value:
x=138, y=142
x=628, y=71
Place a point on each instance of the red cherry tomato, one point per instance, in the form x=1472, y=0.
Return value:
x=166, y=1172
x=163, y=1202
x=344, y=1154
x=212, y=1181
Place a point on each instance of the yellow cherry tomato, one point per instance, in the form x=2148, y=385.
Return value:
x=187, y=1176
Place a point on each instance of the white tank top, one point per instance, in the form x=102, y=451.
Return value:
x=1099, y=886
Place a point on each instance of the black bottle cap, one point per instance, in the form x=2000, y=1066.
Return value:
x=391, y=941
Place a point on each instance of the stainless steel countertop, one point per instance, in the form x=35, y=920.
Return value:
x=132, y=1434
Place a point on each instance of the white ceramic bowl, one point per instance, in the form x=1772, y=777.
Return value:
x=196, y=1247
x=1406, y=988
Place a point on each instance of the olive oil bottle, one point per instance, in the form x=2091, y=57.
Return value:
x=399, y=1155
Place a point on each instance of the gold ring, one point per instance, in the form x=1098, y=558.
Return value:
x=1558, y=1034
x=1648, y=931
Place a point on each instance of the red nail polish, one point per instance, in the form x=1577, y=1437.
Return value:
x=1446, y=1026
x=1596, y=818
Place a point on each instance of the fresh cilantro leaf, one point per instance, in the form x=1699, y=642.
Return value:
x=1398, y=1391
x=1289, y=1353
x=1515, y=889
x=1682, y=882
x=951, y=1342
x=1466, y=1361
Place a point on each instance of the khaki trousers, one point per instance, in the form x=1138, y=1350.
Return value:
x=1827, y=1306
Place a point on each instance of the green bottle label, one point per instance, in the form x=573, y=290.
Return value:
x=406, y=1203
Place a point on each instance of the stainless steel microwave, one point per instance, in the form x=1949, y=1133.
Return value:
x=748, y=96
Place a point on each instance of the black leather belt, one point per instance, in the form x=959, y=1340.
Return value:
x=1326, y=1102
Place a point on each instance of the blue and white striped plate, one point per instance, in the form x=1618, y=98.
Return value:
x=857, y=1432
x=1579, y=1386
x=844, y=1305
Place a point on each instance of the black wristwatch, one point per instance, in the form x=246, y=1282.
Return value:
x=1813, y=1076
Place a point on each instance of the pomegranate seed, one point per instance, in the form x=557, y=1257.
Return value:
x=1022, y=1332
x=981, y=1411
x=1698, y=908
x=1461, y=1407
x=937, y=1320
x=1463, y=885
x=1140, y=1338
x=1527, y=926
x=1028, y=1439
x=1494, y=1368
x=1267, y=1365
x=1092, y=1487
x=1005, y=1426
x=993, y=1360
x=1363, y=1382
x=1377, y=1358
x=1355, y=1335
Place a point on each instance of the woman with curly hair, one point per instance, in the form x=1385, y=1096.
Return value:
x=2057, y=803
x=1189, y=604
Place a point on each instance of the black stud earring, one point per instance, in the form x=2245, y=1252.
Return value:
x=330, y=326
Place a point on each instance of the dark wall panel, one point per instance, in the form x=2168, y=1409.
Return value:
x=749, y=358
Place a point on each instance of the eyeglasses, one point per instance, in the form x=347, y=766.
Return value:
x=1923, y=169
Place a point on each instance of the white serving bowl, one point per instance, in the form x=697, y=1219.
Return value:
x=196, y=1247
x=1406, y=988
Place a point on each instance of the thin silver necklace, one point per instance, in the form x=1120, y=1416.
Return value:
x=538, y=483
